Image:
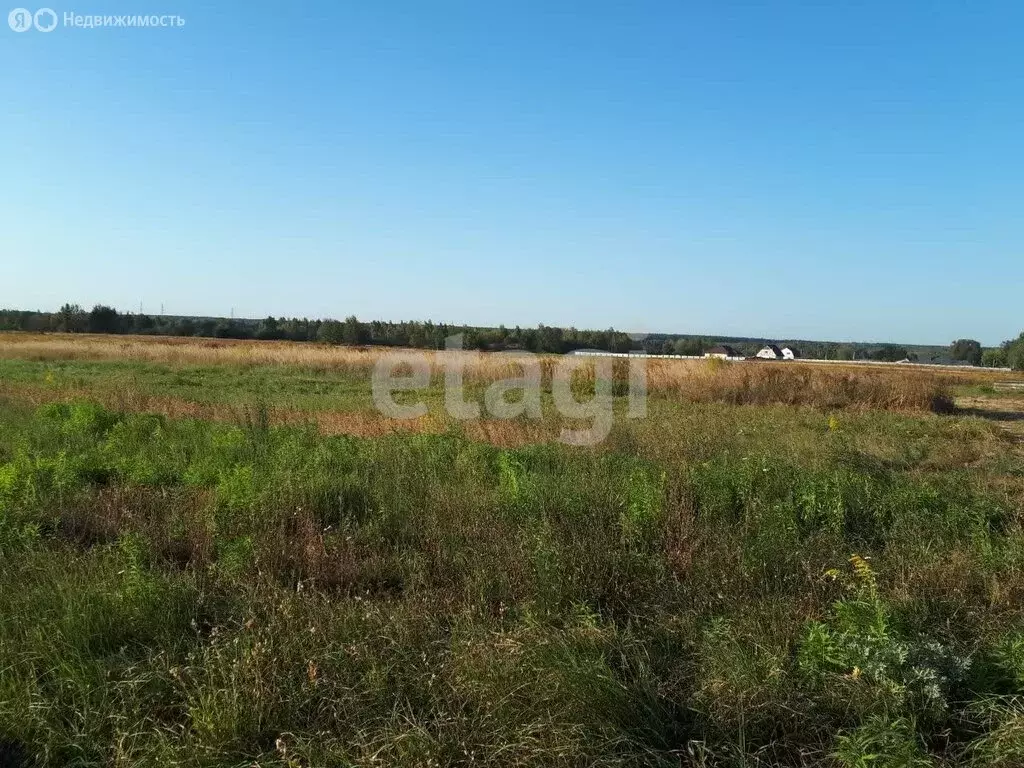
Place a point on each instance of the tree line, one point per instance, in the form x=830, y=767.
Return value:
x=1009, y=354
x=72, y=318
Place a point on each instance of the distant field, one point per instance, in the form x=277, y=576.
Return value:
x=199, y=351
x=218, y=553
x=310, y=377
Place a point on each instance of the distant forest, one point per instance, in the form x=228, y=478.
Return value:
x=72, y=318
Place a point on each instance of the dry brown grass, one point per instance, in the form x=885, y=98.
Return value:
x=185, y=351
x=820, y=386
x=357, y=423
x=504, y=433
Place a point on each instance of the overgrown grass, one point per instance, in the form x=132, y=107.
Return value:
x=716, y=586
x=341, y=401
x=310, y=377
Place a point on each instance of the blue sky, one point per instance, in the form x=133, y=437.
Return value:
x=787, y=170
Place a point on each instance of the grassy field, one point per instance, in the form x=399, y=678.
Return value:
x=219, y=554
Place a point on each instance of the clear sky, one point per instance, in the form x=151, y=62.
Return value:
x=793, y=170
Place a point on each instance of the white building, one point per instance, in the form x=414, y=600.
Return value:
x=770, y=352
x=788, y=353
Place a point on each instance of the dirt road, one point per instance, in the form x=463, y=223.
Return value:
x=1007, y=411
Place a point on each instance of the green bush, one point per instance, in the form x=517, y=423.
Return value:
x=882, y=742
x=862, y=653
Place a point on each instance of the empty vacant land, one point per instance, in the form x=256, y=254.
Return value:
x=220, y=554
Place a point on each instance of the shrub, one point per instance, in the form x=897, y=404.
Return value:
x=881, y=742
x=862, y=651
